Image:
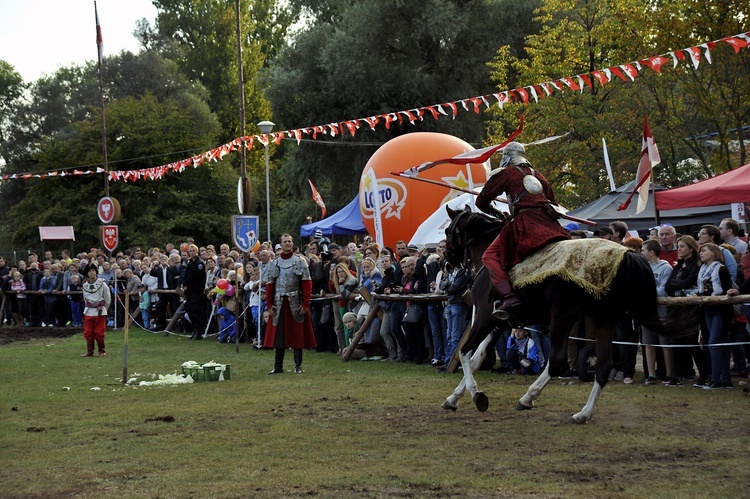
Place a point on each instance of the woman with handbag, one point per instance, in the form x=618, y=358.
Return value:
x=370, y=280
x=714, y=280
x=683, y=282
x=344, y=283
x=414, y=318
x=396, y=344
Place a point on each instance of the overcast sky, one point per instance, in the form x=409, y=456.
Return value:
x=40, y=36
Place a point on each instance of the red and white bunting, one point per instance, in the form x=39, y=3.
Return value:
x=625, y=72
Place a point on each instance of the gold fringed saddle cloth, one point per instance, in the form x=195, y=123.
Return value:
x=589, y=263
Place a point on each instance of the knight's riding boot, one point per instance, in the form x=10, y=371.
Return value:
x=100, y=344
x=509, y=300
x=89, y=349
x=298, y=361
x=278, y=364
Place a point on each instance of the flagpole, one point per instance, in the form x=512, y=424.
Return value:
x=101, y=101
x=608, y=166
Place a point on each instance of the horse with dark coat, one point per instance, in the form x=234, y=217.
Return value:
x=556, y=298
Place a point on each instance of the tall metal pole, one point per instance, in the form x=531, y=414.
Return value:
x=265, y=128
x=268, y=198
x=240, y=81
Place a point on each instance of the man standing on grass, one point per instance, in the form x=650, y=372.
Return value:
x=193, y=284
x=288, y=294
x=96, y=299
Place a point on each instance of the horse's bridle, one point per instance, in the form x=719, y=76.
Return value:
x=457, y=232
x=465, y=243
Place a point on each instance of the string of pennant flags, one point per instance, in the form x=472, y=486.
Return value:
x=625, y=72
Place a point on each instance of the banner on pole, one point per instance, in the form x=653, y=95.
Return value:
x=245, y=232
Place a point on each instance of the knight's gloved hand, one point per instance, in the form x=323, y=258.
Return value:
x=502, y=215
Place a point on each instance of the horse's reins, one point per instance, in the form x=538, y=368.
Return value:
x=466, y=260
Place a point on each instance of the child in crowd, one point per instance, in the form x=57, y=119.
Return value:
x=228, y=325
x=76, y=300
x=252, y=297
x=144, y=303
x=522, y=353
x=47, y=285
x=18, y=285
x=350, y=326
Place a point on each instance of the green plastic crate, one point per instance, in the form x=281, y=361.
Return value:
x=213, y=373
x=197, y=373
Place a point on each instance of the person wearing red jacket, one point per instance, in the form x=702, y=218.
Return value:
x=532, y=225
x=288, y=294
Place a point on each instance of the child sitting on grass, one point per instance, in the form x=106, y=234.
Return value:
x=350, y=326
x=228, y=325
x=522, y=353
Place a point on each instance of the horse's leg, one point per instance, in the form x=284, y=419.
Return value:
x=604, y=337
x=563, y=311
x=477, y=396
x=527, y=401
x=451, y=402
x=470, y=364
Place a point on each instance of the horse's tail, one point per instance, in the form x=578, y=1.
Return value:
x=642, y=299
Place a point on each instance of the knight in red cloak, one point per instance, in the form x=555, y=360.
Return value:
x=288, y=294
x=533, y=223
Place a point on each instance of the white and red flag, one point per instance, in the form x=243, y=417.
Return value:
x=318, y=198
x=649, y=159
x=99, y=44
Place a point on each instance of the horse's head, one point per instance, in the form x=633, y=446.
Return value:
x=466, y=231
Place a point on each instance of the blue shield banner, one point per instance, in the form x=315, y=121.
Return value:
x=245, y=231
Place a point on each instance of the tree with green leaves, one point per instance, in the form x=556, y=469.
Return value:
x=154, y=116
x=581, y=36
x=359, y=58
x=11, y=90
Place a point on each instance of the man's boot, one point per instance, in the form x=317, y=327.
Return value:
x=89, y=349
x=298, y=361
x=278, y=364
x=100, y=343
x=509, y=300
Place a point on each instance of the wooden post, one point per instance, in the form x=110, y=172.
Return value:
x=125, y=344
x=175, y=317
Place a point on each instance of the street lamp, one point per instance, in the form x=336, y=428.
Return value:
x=265, y=128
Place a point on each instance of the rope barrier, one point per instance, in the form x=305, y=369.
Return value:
x=639, y=344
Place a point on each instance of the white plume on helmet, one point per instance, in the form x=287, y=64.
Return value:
x=514, y=154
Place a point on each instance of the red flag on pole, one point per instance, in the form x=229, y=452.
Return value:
x=99, y=44
x=317, y=198
x=649, y=159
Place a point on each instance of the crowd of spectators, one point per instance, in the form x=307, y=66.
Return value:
x=229, y=301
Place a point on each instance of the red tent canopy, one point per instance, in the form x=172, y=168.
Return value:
x=730, y=187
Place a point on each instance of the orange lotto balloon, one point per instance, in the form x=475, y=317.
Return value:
x=406, y=203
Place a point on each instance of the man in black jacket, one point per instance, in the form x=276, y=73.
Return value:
x=193, y=283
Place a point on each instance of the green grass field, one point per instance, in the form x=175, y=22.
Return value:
x=358, y=429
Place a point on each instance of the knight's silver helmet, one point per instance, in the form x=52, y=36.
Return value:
x=513, y=154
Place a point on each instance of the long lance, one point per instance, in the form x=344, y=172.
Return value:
x=502, y=200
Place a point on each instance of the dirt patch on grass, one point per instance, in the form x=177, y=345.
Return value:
x=9, y=334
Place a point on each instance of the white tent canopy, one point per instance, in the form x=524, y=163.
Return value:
x=432, y=230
